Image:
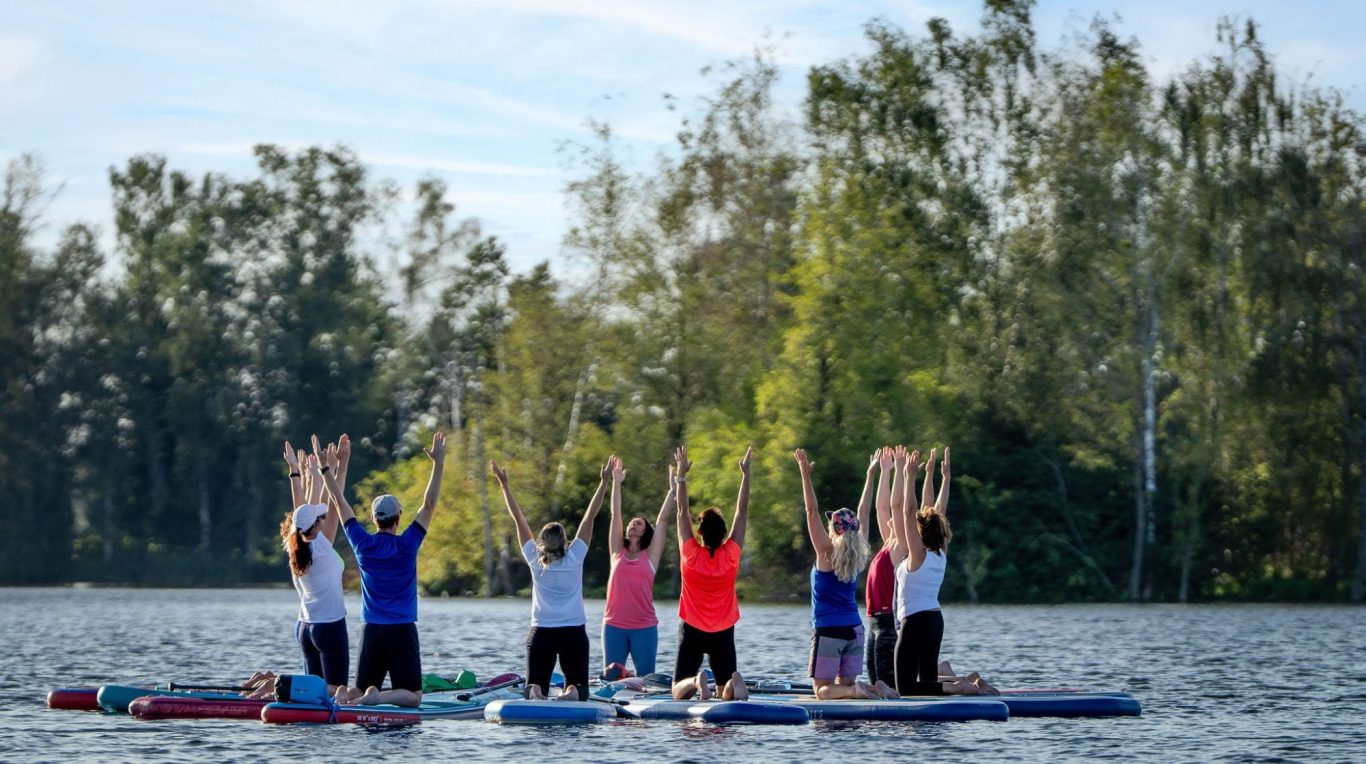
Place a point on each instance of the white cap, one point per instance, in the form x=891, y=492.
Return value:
x=307, y=514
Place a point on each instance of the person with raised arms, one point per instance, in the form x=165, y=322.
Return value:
x=841, y=554
x=388, y=577
x=558, y=624
x=707, y=606
x=880, y=590
x=307, y=535
x=630, y=626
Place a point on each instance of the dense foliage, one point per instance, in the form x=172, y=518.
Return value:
x=1133, y=307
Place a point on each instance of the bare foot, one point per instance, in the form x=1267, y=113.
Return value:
x=945, y=669
x=885, y=691
x=533, y=692
x=369, y=698
x=985, y=688
x=570, y=693
x=738, y=689
x=703, y=688
x=862, y=690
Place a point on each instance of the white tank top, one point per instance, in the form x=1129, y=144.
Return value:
x=320, y=587
x=918, y=590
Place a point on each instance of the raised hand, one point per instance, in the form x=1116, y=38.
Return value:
x=344, y=449
x=944, y=465
x=885, y=458
x=900, y=457
x=618, y=469
x=934, y=454
x=333, y=458
x=681, y=460
x=913, y=463
x=317, y=449
x=804, y=462
x=437, y=453
x=605, y=471
x=500, y=474
x=314, y=467
x=744, y=460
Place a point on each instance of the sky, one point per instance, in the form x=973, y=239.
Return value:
x=484, y=93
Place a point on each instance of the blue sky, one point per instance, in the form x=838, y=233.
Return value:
x=481, y=93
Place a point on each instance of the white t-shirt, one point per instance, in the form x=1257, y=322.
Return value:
x=557, y=588
x=918, y=590
x=320, y=588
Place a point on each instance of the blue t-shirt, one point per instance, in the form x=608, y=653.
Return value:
x=388, y=572
x=832, y=600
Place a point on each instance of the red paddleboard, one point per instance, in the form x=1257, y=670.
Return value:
x=298, y=713
x=74, y=698
x=165, y=707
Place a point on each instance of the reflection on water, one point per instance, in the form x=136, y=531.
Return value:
x=1216, y=682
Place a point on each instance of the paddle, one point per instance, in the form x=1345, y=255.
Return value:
x=207, y=687
x=482, y=690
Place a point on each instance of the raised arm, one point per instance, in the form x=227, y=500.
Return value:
x=684, y=520
x=316, y=489
x=585, y=533
x=661, y=537
x=865, y=502
x=296, y=477
x=437, y=453
x=915, y=546
x=615, y=527
x=329, y=479
x=338, y=456
x=518, y=519
x=927, y=495
x=897, y=543
x=738, y=525
x=941, y=504
x=815, y=529
x=885, y=464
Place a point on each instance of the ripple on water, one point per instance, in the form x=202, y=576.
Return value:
x=1205, y=676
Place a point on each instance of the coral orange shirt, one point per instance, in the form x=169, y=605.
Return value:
x=708, y=600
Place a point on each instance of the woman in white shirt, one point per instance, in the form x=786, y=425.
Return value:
x=558, y=626
x=316, y=568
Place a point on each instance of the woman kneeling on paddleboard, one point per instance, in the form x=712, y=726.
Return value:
x=841, y=554
x=315, y=567
x=629, y=624
x=707, y=605
x=558, y=625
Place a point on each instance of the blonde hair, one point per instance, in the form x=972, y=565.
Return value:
x=850, y=555
x=550, y=544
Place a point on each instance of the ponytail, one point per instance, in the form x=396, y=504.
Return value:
x=299, y=549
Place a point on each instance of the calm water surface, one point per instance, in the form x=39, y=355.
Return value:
x=1230, y=683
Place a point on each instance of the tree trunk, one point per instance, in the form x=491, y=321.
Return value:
x=205, y=510
x=485, y=513
x=109, y=530
x=572, y=431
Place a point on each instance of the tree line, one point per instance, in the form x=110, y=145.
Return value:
x=1132, y=306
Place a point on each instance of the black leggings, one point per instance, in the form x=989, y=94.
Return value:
x=917, y=653
x=567, y=643
x=880, y=650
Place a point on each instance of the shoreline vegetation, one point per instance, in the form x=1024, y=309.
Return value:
x=1134, y=306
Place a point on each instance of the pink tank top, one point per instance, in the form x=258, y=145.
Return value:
x=631, y=593
x=881, y=588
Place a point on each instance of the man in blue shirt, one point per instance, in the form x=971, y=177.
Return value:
x=388, y=580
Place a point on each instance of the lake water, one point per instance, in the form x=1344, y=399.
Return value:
x=1231, y=683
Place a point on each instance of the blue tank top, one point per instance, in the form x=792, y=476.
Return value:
x=832, y=600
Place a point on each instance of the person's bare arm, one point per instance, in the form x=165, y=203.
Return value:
x=317, y=490
x=329, y=479
x=296, y=477
x=661, y=537
x=437, y=453
x=915, y=546
x=741, y=521
x=585, y=533
x=865, y=501
x=815, y=529
x=898, y=547
x=886, y=464
x=615, y=528
x=927, y=495
x=518, y=519
x=338, y=457
x=941, y=504
x=684, y=520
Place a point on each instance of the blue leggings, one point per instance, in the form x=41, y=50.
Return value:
x=326, y=649
x=640, y=644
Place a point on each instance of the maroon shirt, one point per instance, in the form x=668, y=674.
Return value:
x=881, y=588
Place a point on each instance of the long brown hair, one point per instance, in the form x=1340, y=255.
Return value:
x=712, y=528
x=300, y=551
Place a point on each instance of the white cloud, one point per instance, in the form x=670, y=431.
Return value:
x=18, y=54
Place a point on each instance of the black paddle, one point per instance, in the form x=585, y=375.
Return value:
x=490, y=688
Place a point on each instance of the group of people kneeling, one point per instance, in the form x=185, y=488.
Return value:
x=902, y=586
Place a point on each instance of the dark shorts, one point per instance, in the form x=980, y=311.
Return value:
x=389, y=648
x=717, y=646
x=326, y=649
